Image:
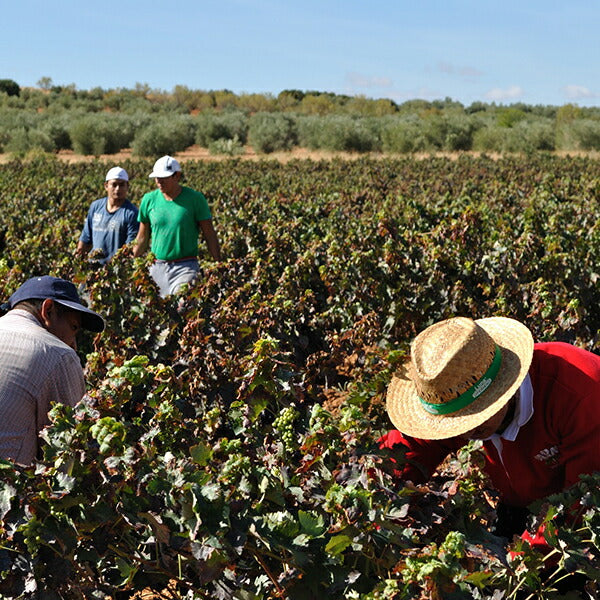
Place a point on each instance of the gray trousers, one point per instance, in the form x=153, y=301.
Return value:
x=171, y=275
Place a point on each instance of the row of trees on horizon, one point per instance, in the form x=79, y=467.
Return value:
x=98, y=121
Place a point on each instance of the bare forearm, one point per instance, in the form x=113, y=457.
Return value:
x=82, y=248
x=139, y=248
x=142, y=240
x=211, y=239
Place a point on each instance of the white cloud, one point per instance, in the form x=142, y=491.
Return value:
x=575, y=92
x=450, y=69
x=421, y=93
x=358, y=80
x=426, y=93
x=510, y=93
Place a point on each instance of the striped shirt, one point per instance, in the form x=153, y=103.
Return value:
x=37, y=369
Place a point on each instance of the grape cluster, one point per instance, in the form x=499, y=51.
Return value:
x=212, y=419
x=454, y=543
x=284, y=425
x=109, y=433
x=32, y=534
x=234, y=468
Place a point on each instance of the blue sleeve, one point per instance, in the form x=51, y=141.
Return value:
x=133, y=225
x=86, y=233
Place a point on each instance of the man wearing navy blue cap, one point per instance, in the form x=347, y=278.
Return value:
x=38, y=362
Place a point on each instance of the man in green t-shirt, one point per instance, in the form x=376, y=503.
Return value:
x=171, y=218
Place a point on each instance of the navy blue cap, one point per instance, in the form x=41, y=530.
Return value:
x=61, y=291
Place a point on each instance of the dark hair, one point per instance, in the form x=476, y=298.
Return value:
x=34, y=305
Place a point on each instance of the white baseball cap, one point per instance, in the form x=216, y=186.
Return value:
x=117, y=173
x=165, y=167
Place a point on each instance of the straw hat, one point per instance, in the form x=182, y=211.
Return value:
x=461, y=373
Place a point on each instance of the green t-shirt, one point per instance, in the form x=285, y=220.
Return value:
x=174, y=223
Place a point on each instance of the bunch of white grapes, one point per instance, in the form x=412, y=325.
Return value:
x=284, y=425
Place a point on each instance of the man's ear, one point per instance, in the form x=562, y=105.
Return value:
x=46, y=311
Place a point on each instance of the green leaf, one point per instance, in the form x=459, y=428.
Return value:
x=157, y=485
x=312, y=524
x=201, y=453
x=65, y=483
x=301, y=540
x=6, y=495
x=126, y=569
x=479, y=578
x=337, y=544
x=211, y=491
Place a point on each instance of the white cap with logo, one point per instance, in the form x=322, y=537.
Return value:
x=117, y=173
x=165, y=167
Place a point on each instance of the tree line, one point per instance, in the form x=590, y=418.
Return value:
x=97, y=121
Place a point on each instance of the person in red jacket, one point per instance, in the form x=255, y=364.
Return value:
x=535, y=406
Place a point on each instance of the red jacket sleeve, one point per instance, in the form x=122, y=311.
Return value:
x=417, y=459
x=567, y=384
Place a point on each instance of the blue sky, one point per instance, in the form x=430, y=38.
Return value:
x=537, y=52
